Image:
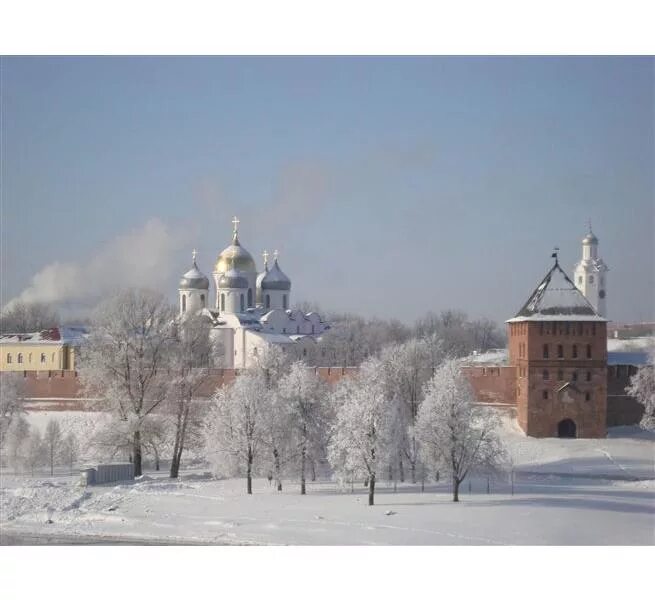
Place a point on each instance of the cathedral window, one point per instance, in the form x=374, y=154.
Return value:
x=268, y=301
x=297, y=329
x=560, y=351
x=242, y=303
x=202, y=300
x=574, y=351
x=545, y=351
x=249, y=297
x=285, y=303
x=183, y=303
x=222, y=302
x=546, y=374
x=8, y=358
x=20, y=358
x=588, y=350
x=42, y=357
x=313, y=329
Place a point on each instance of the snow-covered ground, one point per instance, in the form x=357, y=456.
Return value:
x=565, y=492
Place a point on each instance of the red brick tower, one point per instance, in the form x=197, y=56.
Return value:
x=558, y=345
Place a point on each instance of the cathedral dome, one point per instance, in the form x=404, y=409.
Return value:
x=235, y=256
x=194, y=279
x=590, y=238
x=275, y=279
x=232, y=280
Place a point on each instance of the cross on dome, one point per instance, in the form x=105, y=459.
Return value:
x=265, y=255
x=194, y=254
x=235, y=225
x=275, y=255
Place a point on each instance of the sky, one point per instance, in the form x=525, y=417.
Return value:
x=389, y=186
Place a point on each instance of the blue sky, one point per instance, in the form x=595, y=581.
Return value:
x=391, y=186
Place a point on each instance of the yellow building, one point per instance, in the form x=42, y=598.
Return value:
x=48, y=350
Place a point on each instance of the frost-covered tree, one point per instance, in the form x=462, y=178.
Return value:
x=70, y=449
x=303, y=395
x=457, y=436
x=192, y=355
x=408, y=367
x=362, y=428
x=27, y=317
x=53, y=439
x=642, y=387
x=35, y=452
x=126, y=360
x=11, y=404
x=236, y=428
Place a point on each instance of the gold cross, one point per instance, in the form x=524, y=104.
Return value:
x=265, y=255
x=235, y=224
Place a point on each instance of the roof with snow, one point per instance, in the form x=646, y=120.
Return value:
x=556, y=299
x=56, y=336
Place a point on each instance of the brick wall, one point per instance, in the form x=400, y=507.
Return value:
x=493, y=384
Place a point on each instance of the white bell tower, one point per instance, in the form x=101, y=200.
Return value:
x=591, y=274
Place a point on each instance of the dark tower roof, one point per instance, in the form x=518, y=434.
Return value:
x=556, y=299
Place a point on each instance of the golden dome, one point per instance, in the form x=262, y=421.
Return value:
x=235, y=256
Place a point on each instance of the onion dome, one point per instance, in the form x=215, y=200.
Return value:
x=194, y=279
x=590, y=238
x=232, y=280
x=275, y=279
x=235, y=255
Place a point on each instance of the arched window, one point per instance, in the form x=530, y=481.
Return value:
x=574, y=351
x=268, y=301
x=285, y=304
x=183, y=302
x=20, y=358
x=313, y=327
x=249, y=297
x=546, y=374
x=588, y=350
x=222, y=302
x=545, y=350
x=8, y=358
x=560, y=351
x=42, y=357
x=29, y=357
x=242, y=303
x=202, y=300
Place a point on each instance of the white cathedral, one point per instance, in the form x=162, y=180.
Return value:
x=591, y=274
x=250, y=308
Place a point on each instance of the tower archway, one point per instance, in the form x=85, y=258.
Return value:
x=566, y=428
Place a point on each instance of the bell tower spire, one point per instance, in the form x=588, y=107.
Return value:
x=591, y=274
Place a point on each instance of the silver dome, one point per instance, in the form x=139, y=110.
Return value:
x=590, y=238
x=232, y=280
x=194, y=279
x=275, y=279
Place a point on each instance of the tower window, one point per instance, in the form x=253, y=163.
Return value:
x=574, y=351
x=297, y=329
x=588, y=350
x=268, y=301
x=202, y=300
x=20, y=358
x=8, y=358
x=546, y=375
x=222, y=302
x=545, y=350
x=284, y=302
x=242, y=303
x=183, y=303
x=249, y=297
x=560, y=351
x=545, y=394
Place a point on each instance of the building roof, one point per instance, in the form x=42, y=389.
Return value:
x=556, y=299
x=275, y=279
x=55, y=336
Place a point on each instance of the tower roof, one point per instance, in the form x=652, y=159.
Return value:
x=194, y=278
x=275, y=279
x=556, y=299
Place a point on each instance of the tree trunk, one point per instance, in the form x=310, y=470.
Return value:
x=456, y=483
x=136, y=448
x=278, y=473
x=249, y=472
x=313, y=466
x=154, y=448
x=371, y=489
x=412, y=468
x=52, y=461
x=303, y=490
x=401, y=470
